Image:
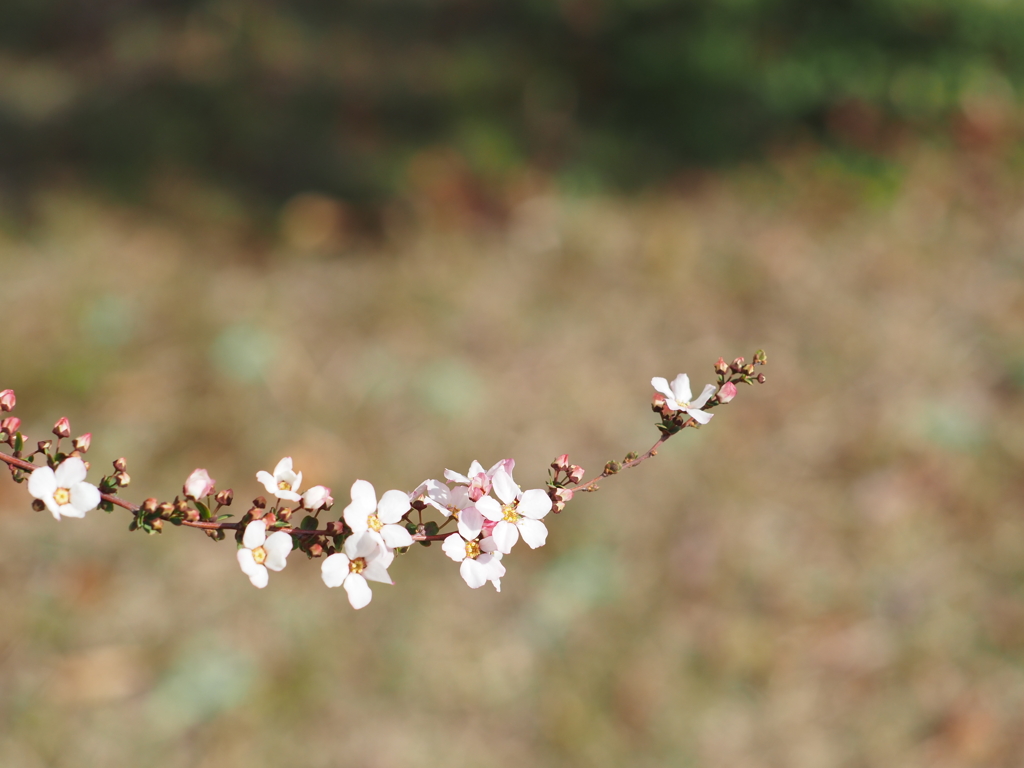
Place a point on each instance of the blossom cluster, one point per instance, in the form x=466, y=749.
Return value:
x=482, y=514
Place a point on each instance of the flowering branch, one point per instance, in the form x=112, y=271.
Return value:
x=489, y=510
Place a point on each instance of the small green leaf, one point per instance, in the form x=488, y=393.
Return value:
x=204, y=511
x=19, y=442
x=430, y=528
x=223, y=517
x=309, y=523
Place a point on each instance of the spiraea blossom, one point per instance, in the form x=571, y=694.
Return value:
x=260, y=552
x=64, y=491
x=678, y=397
x=518, y=513
x=476, y=479
x=317, y=497
x=284, y=483
x=362, y=558
x=382, y=519
x=480, y=560
x=199, y=484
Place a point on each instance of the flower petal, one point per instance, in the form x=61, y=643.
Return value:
x=396, y=536
x=55, y=509
x=535, y=533
x=257, y=574
x=364, y=502
x=681, y=389
x=455, y=547
x=660, y=384
x=334, y=569
x=534, y=504
x=454, y=477
x=470, y=523
x=42, y=483
x=268, y=481
x=504, y=487
x=489, y=508
x=84, y=497
x=71, y=471
x=505, y=536
x=474, y=574
x=255, y=534
x=709, y=390
x=359, y=594
x=701, y=417
x=393, y=504
x=283, y=466
x=375, y=571
x=278, y=546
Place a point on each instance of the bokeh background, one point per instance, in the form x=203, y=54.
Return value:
x=391, y=237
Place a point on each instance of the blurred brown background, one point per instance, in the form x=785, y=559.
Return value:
x=830, y=574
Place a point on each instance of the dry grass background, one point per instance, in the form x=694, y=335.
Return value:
x=831, y=574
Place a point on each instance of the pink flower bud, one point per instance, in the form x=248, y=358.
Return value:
x=721, y=367
x=575, y=473
x=199, y=484
x=317, y=497
x=10, y=425
x=83, y=442
x=225, y=497
x=563, y=494
x=488, y=528
x=561, y=464
x=658, y=402
x=7, y=400
x=62, y=428
x=727, y=392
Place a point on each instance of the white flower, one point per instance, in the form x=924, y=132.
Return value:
x=316, y=497
x=65, y=492
x=679, y=398
x=518, y=513
x=364, y=513
x=199, y=484
x=363, y=558
x=478, y=481
x=481, y=560
x=284, y=484
x=260, y=552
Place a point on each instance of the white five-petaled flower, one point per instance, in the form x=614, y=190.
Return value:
x=476, y=479
x=64, y=492
x=316, y=497
x=284, y=483
x=365, y=513
x=260, y=552
x=678, y=397
x=363, y=557
x=480, y=560
x=518, y=513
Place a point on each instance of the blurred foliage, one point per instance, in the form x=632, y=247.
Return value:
x=353, y=99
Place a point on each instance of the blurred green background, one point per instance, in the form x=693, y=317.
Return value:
x=388, y=238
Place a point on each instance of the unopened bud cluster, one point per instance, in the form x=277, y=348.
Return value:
x=478, y=516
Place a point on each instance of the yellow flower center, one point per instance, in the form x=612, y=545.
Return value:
x=374, y=522
x=283, y=486
x=358, y=565
x=62, y=496
x=509, y=514
x=259, y=555
x=472, y=550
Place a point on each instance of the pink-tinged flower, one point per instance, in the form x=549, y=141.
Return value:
x=518, y=513
x=364, y=513
x=480, y=560
x=477, y=480
x=199, y=484
x=10, y=425
x=317, y=497
x=7, y=400
x=727, y=392
x=260, y=552
x=363, y=558
x=64, y=491
x=284, y=483
x=678, y=397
